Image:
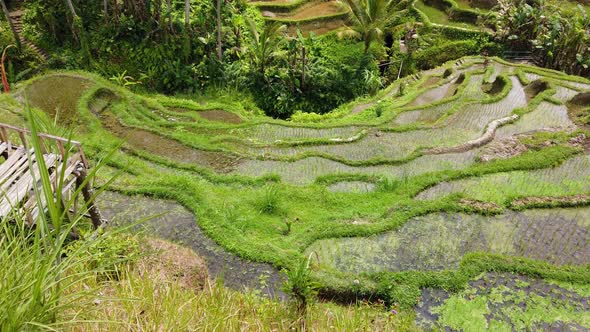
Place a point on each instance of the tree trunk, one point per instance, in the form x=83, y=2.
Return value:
x=169, y=4
x=88, y=194
x=74, y=19
x=219, y=50
x=187, y=13
x=105, y=6
x=72, y=9
x=303, y=61
x=14, y=32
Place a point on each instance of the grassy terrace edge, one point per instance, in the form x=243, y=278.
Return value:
x=340, y=286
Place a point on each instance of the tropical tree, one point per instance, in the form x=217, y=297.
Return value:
x=558, y=38
x=370, y=18
x=218, y=21
x=263, y=46
x=563, y=42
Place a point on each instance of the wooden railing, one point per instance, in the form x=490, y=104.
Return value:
x=22, y=133
x=66, y=164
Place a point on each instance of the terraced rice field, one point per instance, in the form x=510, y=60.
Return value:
x=439, y=241
x=570, y=178
x=309, y=16
x=413, y=206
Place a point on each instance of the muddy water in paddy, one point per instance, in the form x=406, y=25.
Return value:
x=146, y=140
x=352, y=187
x=179, y=225
x=444, y=91
x=439, y=241
x=220, y=116
x=57, y=95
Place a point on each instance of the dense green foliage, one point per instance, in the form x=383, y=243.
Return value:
x=558, y=37
x=151, y=47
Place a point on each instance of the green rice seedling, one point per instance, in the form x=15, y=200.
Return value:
x=269, y=201
x=388, y=183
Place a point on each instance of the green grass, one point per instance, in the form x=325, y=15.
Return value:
x=308, y=160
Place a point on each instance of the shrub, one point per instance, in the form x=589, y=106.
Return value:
x=437, y=55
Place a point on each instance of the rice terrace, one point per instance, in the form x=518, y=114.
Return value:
x=295, y=165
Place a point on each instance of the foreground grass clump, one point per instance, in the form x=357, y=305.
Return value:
x=44, y=278
x=99, y=282
x=145, y=302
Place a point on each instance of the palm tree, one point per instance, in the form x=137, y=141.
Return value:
x=263, y=45
x=370, y=17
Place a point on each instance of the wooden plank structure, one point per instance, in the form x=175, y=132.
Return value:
x=20, y=170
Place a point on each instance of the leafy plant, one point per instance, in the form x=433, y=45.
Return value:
x=125, y=80
x=370, y=18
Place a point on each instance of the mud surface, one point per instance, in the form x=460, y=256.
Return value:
x=179, y=226
x=503, y=148
x=220, y=116
x=433, y=80
x=57, y=95
x=148, y=141
x=536, y=87
x=506, y=299
x=318, y=9
x=352, y=187
x=436, y=94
